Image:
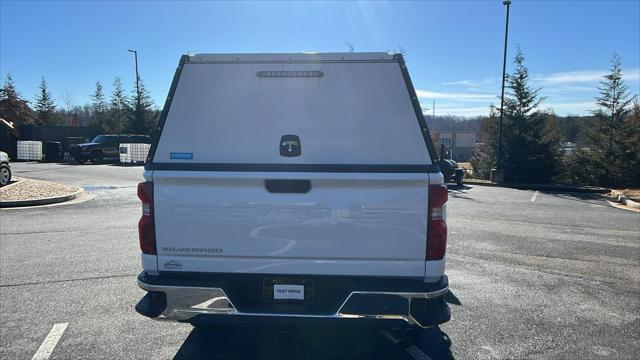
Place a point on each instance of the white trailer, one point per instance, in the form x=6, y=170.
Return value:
x=29, y=150
x=133, y=153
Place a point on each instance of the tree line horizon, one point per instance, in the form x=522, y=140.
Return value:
x=608, y=141
x=120, y=113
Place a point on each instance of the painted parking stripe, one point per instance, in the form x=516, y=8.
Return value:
x=50, y=342
x=535, y=195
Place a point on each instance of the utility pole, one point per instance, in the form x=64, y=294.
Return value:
x=135, y=53
x=434, y=110
x=138, y=115
x=610, y=150
x=499, y=176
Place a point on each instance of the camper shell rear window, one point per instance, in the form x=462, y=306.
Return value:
x=346, y=112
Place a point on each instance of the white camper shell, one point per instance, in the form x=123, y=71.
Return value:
x=293, y=185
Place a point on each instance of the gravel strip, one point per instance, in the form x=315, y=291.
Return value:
x=633, y=194
x=27, y=189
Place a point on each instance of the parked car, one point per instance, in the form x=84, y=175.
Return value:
x=451, y=171
x=5, y=169
x=319, y=201
x=69, y=141
x=104, y=147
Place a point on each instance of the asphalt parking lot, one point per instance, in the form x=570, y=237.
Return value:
x=532, y=274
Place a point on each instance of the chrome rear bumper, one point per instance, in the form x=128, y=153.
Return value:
x=183, y=303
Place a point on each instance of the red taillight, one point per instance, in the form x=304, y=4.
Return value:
x=146, y=225
x=437, y=233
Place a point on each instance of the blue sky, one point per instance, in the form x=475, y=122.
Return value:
x=453, y=49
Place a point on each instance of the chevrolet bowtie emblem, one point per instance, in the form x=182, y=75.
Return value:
x=174, y=265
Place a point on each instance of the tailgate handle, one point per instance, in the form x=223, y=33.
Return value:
x=288, y=186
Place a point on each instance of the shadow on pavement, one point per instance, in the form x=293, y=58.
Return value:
x=458, y=192
x=229, y=342
x=461, y=188
x=590, y=198
x=303, y=342
x=45, y=169
x=116, y=163
x=71, y=162
x=119, y=164
x=451, y=298
x=435, y=343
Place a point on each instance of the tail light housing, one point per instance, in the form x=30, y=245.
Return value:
x=146, y=225
x=437, y=231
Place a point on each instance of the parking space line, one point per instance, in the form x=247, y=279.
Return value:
x=535, y=195
x=50, y=342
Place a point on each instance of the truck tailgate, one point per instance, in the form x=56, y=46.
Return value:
x=345, y=224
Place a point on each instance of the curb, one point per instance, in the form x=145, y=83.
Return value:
x=481, y=183
x=12, y=184
x=625, y=200
x=563, y=188
x=43, y=201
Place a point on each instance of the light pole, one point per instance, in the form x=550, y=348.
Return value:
x=135, y=53
x=499, y=176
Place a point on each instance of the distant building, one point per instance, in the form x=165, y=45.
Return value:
x=567, y=148
x=458, y=145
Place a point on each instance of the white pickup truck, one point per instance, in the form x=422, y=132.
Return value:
x=286, y=187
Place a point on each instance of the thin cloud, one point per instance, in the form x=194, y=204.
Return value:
x=560, y=108
x=460, y=82
x=471, y=83
x=587, y=76
x=571, y=77
x=457, y=96
x=567, y=77
x=461, y=111
x=569, y=89
x=570, y=92
x=582, y=107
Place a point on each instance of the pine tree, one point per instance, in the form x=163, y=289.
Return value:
x=12, y=107
x=485, y=159
x=614, y=99
x=120, y=107
x=530, y=137
x=99, y=109
x=606, y=156
x=633, y=127
x=631, y=146
x=45, y=107
x=143, y=118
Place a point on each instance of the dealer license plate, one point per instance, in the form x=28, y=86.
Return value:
x=292, y=292
x=288, y=290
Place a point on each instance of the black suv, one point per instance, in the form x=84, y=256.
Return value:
x=104, y=147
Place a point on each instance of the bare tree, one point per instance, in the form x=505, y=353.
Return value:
x=68, y=100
